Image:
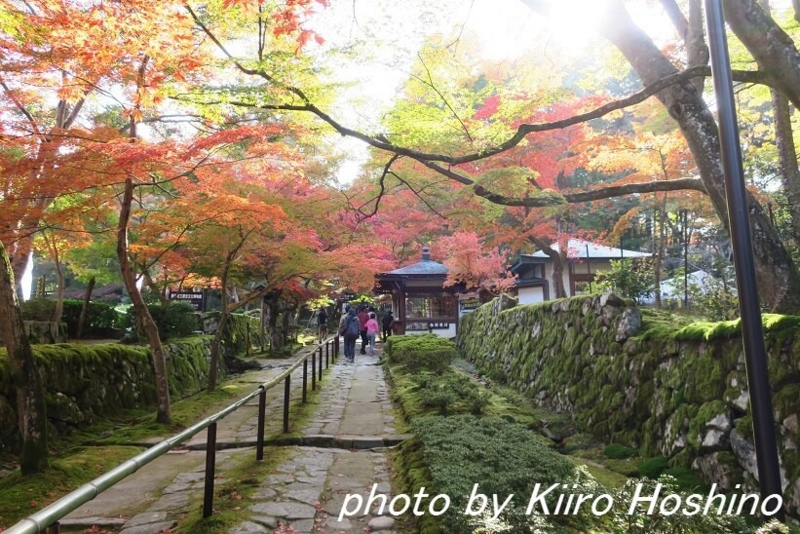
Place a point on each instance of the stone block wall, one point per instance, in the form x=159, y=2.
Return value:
x=678, y=392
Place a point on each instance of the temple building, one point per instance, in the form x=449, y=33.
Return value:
x=419, y=300
x=584, y=259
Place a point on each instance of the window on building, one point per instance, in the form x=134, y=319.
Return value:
x=429, y=306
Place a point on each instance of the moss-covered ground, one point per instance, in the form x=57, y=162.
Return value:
x=21, y=496
x=85, y=455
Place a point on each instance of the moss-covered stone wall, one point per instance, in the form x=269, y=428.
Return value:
x=86, y=381
x=630, y=377
x=240, y=333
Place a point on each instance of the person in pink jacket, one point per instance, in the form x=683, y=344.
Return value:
x=372, y=332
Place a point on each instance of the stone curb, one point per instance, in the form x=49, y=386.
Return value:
x=314, y=440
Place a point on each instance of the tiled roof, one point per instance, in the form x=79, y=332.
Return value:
x=424, y=267
x=577, y=248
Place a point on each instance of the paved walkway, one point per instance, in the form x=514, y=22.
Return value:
x=343, y=452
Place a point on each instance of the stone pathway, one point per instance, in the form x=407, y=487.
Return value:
x=342, y=452
x=307, y=493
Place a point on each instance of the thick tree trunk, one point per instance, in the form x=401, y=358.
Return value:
x=140, y=309
x=87, y=298
x=778, y=280
x=770, y=45
x=787, y=155
x=31, y=408
x=559, y=260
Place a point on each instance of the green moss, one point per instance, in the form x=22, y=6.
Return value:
x=653, y=467
x=705, y=413
x=619, y=452
x=20, y=496
x=786, y=401
x=606, y=477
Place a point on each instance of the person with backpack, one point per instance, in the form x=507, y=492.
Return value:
x=351, y=330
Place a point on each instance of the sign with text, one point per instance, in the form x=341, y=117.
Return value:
x=468, y=303
x=195, y=299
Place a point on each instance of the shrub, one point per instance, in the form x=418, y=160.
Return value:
x=619, y=452
x=176, y=320
x=100, y=319
x=425, y=351
x=504, y=458
x=653, y=467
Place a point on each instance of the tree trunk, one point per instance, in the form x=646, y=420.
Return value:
x=215, y=347
x=658, y=250
x=559, y=260
x=787, y=155
x=31, y=408
x=58, y=311
x=140, y=308
x=770, y=45
x=778, y=280
x=276, y=339
x=223, y=320
x=87, y=298
x=285, y=325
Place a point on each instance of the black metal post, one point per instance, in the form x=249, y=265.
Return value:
x=313, y=371
x=327, y=354
x=211, y=454
x=286, y=387
x=320, y=364
x=262, y=414
x=55, y=528
x=305, y=379
x=752, y=331
x=336, y=347
x=589, y=268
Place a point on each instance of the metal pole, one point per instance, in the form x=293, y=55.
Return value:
x=262, y=414
x=305, y=379
x=320, y=365
x=327, y=354
x=313, y=371
x=211, y=452
x=286, y=387
x=752, y=331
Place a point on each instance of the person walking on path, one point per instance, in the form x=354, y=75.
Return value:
x=342, y=319
x=350, y=330
x=322, y=324
x=363, y=317
x=387, y=321
x=372, y=332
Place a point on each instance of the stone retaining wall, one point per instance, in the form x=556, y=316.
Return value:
x=677, y=392
x=83, y=382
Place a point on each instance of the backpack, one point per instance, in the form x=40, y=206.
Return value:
x=352, y=327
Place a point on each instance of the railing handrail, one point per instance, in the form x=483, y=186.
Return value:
x=36, y=522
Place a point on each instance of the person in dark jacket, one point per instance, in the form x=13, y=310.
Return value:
x=322, y=324
x=363, y=317
x=350, y=331
x=386, y=323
